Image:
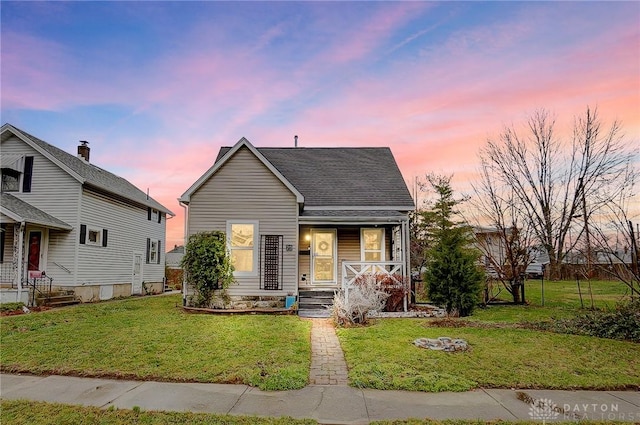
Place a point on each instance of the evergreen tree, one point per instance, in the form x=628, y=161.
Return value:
x=453, y=278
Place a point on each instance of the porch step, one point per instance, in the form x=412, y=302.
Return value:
x=58, y=299
x=315, y=303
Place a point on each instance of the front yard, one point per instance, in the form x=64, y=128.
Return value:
x=383, y=356
x=152, y=339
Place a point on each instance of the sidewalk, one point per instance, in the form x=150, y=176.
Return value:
x=330, y=404
x=328, y=399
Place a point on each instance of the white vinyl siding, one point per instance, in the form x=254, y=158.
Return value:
x=245, y=190
x=52, y=190
x=128, y=230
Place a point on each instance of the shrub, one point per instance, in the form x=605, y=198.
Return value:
x=11, y=307
x=363, y=296
x=397, y=288
x=622, y=322
x=207, y=266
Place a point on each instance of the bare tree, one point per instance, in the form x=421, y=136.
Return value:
x=503, y=232
x=550, y=176
x=615, y=241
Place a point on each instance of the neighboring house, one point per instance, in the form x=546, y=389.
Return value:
x=174, y=266
x=174, y=257
x=303, y=218
x=84, y=229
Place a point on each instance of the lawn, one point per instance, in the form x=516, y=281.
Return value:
x=561, y=299
x=31, y=412
x=383, y=356
x=153, y=339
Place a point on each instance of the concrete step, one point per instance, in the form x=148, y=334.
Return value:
x=314, y=313
x=315, y=303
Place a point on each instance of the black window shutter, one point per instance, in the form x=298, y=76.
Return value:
x=83, y=233
x=28, y=172
x=104, y=237
x=148, y=213
x=148, y=249
x=159, y=251
x=159, y=217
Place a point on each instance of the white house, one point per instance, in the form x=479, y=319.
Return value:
x=69, y=224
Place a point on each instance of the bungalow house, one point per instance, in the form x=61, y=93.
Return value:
x=302, y=221
x=67, y=224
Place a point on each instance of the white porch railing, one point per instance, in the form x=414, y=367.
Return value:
x=352, y=270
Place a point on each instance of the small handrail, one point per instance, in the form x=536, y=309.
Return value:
x=62, y=267
x=39, y=285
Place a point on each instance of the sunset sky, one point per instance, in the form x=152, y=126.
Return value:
x=158, y=87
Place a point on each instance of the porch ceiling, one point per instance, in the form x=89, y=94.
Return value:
x=21, y=211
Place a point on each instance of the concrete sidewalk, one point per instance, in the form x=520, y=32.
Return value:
x=331, y=404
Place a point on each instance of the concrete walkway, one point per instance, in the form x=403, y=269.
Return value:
x=328, y=366
x=328, y=399
x=328, y=404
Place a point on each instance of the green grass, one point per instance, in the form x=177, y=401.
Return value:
x=561, y=300
x=31, y=412
x=150, y=338
x=382, y=356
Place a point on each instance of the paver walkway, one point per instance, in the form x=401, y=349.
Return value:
x=328, y=366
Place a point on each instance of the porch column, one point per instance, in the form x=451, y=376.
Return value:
x=406, y=257
x=18, y=253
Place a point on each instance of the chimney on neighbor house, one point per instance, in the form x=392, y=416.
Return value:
x=83, y=150
x=295, y=141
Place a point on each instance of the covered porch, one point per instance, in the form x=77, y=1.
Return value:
x=336, y=248
x=24, y=250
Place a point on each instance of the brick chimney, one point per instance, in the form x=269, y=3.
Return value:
x=83, y=150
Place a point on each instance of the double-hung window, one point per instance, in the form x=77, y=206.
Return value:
x=242, y=238
x=372, y=244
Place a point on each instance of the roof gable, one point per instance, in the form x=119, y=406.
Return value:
x=84, y=172
x=342, y=178
x=228, y=154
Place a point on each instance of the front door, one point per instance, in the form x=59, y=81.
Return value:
x=33, y=253
x=323, y=256
x=136, y=281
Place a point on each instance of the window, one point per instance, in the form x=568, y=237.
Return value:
x=93, y=236
x=242, y=238
x=372, y=244
x=154, y=215
x=153, y=251
x=10, y=180
x=16, y=170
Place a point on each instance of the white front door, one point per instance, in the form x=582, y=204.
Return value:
x=323, y=257
x=136, y=281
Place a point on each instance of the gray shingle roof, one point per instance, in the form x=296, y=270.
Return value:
x=95, y=175
x=30, y=214
x=356, y=177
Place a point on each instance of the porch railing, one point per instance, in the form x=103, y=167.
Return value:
x=38, y=287
x=354, y=270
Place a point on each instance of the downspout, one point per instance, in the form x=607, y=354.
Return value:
x=186, y=222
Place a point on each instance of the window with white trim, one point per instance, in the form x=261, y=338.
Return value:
x=372, y=244
x=242, y=238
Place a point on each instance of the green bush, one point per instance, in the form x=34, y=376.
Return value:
x=207, y=266
x=11, y=307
